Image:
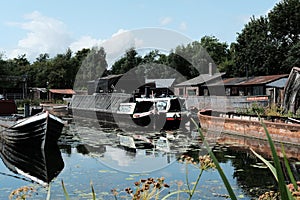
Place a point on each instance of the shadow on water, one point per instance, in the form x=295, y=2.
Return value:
x=31, y=162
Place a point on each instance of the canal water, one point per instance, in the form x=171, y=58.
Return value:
x=102, y=156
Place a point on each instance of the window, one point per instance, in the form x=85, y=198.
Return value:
x=258, y=90
x=161, y=105
x=181, y=91
x=205, y=92
x=192, y=92
x=227, y=91
x=234, y=91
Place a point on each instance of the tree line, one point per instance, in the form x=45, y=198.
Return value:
x=266, y=45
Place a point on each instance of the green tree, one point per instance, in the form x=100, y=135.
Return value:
x=217, y=50
x=198, y=55
x=268, y=44
x=253, y=49
x=293, y=56
x=284, y=25
x=93, y=65
x=129, y=61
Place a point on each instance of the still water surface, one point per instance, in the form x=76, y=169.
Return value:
x=93, y=154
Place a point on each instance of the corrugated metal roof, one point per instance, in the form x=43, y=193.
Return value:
x=161, y=83
x=62, y=91
x=280, y=83
x=259, y=80
x=201, y=79
x=228, y=81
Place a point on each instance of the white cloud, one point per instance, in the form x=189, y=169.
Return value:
x=45, y=35
x=183, y=26
x=165, y=21
x=49, y=35
x=84, y=42
x=120, y=41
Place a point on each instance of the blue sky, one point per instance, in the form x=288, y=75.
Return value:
x=33, y=27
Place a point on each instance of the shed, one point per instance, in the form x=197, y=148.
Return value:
x=194, y=86
x=60, y=93
x=257, y=85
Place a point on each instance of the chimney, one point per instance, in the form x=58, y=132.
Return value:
x=210, y=69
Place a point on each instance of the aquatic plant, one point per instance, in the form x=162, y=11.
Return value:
x=22, y=193
x=67, y=194
x=147, y=188
x=216, y=162
x=287, y=192
x=204, y=163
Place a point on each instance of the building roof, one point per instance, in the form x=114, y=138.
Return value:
x=199, y=80
x=228, y=81
x=62, y=91
x=161, y=83
x=270, y=81
x=280, y=83
x=260, y=80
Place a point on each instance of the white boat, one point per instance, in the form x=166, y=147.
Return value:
x=159, y=113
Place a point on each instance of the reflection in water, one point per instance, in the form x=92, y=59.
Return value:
x=252, y=177
x=96, y=154
x=34, y=163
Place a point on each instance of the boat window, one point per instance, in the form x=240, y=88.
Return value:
x=125, y=108
x=161, y=105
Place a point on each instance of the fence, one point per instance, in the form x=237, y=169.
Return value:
x=14, y=96
x=225, y=103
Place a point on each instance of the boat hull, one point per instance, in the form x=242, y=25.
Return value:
x=107, y=118
x=38, y=130
x=280, y=132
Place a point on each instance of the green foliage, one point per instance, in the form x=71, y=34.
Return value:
x=218, y=167
x=269, y=44
x=129, y=61
x=277, y=169
x=253, y=109
x=271, y=111
x=65, y=190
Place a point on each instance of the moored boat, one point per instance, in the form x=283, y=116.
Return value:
x=160, y=113
x=249, y=126
x=126, y=112
x=38, y=130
